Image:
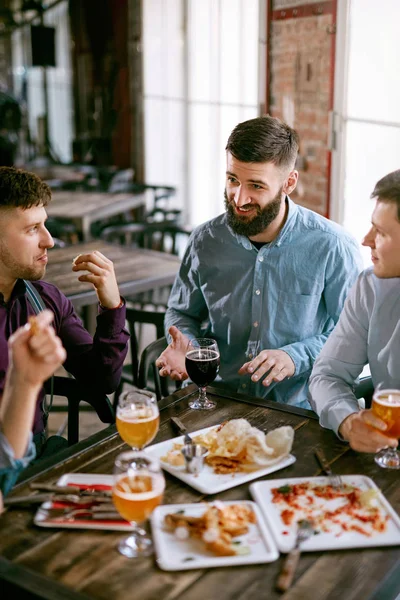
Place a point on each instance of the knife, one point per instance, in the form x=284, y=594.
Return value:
x=182, y=429
x=69, y=489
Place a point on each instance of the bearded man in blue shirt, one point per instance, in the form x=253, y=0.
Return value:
x=267, y=279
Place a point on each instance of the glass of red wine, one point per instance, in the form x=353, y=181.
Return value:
x=202, y=366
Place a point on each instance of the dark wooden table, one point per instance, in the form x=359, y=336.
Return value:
x=137, y=270
x=84, y=208
x=73, y=565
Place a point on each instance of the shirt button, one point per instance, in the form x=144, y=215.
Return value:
x=258, y=292
x=261, y=259
x=244, y=385
x=250, y=355
x=255, y=323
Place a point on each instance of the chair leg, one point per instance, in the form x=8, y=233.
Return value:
x=117, y=394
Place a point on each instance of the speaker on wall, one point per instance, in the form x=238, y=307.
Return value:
x=43, y=46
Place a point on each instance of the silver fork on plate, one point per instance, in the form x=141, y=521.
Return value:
x=182, y=429
x=335, y=480
x=305, y=529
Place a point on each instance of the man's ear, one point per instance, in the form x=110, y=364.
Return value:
x=291, y=182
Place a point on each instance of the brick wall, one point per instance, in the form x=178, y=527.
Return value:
x=300, y=91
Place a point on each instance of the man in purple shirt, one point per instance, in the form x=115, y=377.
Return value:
x=24, y=242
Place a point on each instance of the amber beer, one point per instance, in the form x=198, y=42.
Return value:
x=135, y=497
x=386, y=406
x=138, y=425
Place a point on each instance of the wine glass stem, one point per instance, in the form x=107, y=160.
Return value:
x=202, y=395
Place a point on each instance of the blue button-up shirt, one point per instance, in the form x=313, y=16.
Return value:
x=287, y=296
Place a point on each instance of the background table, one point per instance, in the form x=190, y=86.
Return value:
x=76, y=565
x=137, y=270
x=84, y=208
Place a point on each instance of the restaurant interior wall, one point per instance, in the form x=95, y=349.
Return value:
x=28, y=87
x=367, y=109
x=201, y=78
x=300, y=88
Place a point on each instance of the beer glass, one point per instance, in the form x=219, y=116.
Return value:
x=137, y=418
x=386, y=406
x=137, y=489
x=202, y=366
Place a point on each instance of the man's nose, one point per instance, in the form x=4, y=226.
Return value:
x=47, y=240
x=241, y=197
x=369, y=240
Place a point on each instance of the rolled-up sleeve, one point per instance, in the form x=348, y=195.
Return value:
x=10, y=467
x=340, y=363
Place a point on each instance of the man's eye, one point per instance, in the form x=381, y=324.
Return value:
x=256, y=186
x=231, y=180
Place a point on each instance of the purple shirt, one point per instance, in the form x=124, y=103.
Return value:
x=97, y=360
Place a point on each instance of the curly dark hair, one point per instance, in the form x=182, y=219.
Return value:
x=264, y=139
x=388, y=190
x=22, y=189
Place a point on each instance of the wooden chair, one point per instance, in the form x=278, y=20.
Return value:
x=76, y=393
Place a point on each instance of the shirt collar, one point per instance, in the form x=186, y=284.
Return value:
x=288, y=226
x=18, y=290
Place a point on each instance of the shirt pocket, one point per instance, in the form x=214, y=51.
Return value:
x=297, y=316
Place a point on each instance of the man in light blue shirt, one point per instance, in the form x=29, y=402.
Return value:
x=267, y=279
x=368, y=332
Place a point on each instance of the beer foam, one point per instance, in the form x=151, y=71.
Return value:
x=143, y=415
x=194, y=355
x=388, y=398
x=157, y=483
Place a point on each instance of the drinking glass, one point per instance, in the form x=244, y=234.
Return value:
x=202, y=366
x=138, y=488
x=386, y=406
x=138, y=418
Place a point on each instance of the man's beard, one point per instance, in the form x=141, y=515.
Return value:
x=18, y=271
x=250, y=227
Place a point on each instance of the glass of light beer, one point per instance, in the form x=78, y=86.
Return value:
x=138, y=418
x=137, y=489
x=386, y=406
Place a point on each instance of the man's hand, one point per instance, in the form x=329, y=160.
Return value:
x=35, y=357
x=101, y=275
x=363, y=432
x=172, y=361
x=277, y=363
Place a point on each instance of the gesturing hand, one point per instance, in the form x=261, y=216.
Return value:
x=277, y=364
x=101, y=275
x=365, y=432
x=172, y=361
x=34, y=358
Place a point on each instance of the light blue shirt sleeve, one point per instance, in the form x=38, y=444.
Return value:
x=341, y=361
x=343, y=268
x=186, y=306
x=10, y=467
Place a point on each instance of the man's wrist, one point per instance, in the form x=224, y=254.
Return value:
x=121, y=303
x=345, y=427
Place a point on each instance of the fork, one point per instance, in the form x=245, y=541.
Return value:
x=305, y=529
x=182, y=429
x=335, y=480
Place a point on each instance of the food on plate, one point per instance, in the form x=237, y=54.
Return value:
x=217, y=527
x=332, y=510
x=237, y=446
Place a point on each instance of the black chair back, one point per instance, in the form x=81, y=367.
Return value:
x=76, y=393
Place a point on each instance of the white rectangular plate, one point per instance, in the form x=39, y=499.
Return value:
x=176, y=555
x=42, y=518
x=284, y=535
x=207, y=481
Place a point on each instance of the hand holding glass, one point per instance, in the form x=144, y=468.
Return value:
x=202, y=366
x=138, y=488
x=137, y=418
x=386, y=406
